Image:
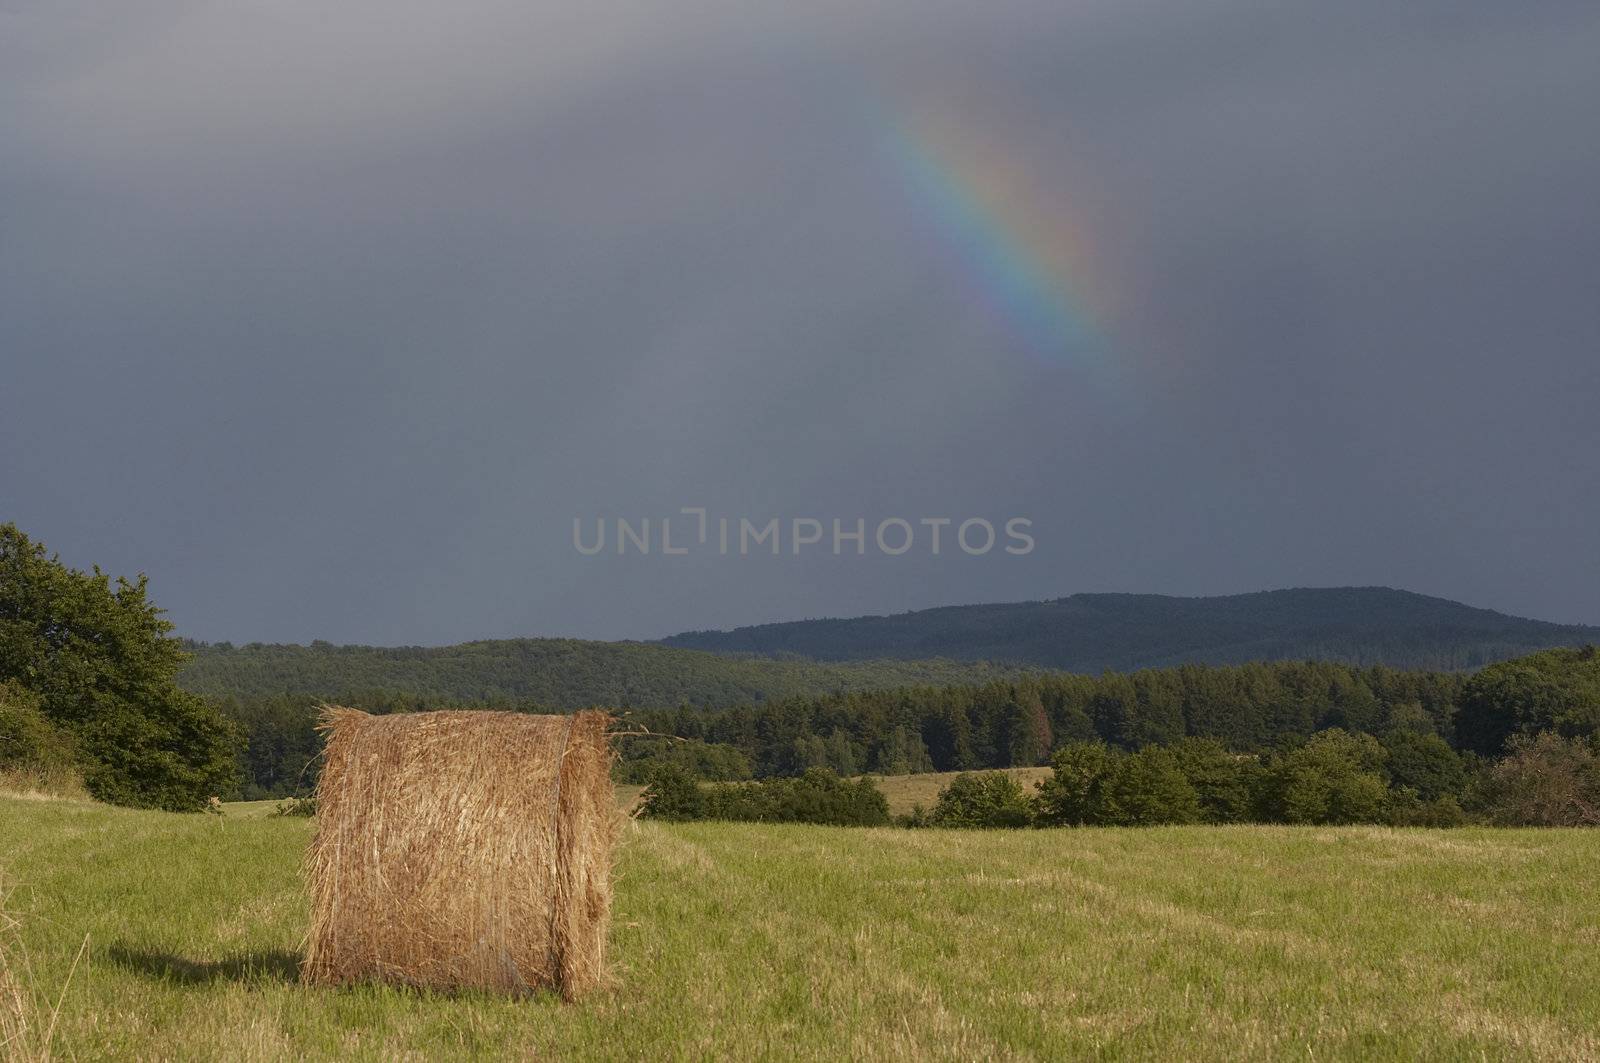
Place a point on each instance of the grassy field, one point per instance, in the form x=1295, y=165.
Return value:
x=782, y=942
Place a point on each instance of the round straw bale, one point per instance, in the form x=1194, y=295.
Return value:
x=462, y=849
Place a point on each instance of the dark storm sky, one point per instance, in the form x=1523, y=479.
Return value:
x=332, y=318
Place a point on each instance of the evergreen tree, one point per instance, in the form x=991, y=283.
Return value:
x=842, y=756
x=1025, y=729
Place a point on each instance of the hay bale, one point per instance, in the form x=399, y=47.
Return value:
x=462, y=849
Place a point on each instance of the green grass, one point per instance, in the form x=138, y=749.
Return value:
x=755, y=941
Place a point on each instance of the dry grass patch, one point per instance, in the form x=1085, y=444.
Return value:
x=904, y=792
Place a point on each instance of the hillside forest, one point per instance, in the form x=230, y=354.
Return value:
x=92, y=687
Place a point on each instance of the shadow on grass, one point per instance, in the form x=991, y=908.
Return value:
x=269, y=966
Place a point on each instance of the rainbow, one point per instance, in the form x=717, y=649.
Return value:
x=1012, y=236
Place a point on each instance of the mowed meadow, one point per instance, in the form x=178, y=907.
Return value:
x=747, y=940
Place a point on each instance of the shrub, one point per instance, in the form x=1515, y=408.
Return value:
x=673, y=795
x=1408, y=809
x=295, y=806
x=818, y=796
x=916, y=819
x=35, y=755
x=1092, y=784
x=1545, y=781
x=981, y=799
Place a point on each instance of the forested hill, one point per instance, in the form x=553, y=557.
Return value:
x=552, y=673
x=1122, y=632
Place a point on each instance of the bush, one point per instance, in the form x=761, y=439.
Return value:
x=673, y=795
x=981, y=799
x=35, y=755
x=1545, y=781
x=1225, y=783
x=295, y=806
x=1092, y=784
x=916, y=819
x=818, y=796
x=1408, y=809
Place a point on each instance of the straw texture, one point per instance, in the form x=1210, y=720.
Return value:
x=462, y=849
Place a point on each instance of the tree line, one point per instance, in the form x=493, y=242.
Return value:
x=88, y=687
x=548, y=674
x=1252, y=708
x=1248, y=710
x=1407, y=778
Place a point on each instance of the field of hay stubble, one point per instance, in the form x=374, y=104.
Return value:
x=744, y=940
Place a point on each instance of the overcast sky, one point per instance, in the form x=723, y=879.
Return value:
x=332, y=318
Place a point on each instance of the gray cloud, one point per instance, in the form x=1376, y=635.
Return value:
x=333, y=319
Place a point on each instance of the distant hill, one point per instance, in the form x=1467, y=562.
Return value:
x=555, y=673
x=1084, y=633
x=1095, y=632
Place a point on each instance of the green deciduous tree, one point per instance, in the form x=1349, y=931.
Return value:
x=1225, y=783
x=707, y=761
x=982, y=799
x=101, y=661
x=34, y=753
x=1073, y=795
x=1557, y=690
x=1335, y=777
x=1147, y=788
x=1424, y=763
x=673, y=795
